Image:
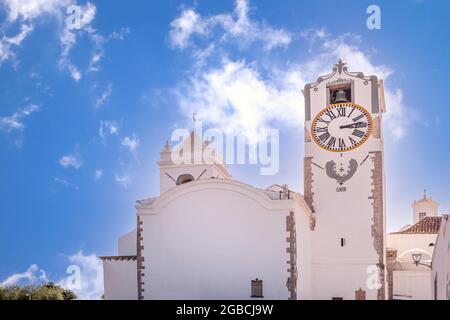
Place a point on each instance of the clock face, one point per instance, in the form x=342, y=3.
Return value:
x=342, y=127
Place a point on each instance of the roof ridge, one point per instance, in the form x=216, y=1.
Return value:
x=428, y=225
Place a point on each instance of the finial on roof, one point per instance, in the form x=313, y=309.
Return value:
x=425, y=194
x=167, y=145
x=194, y=117
x=340, y=66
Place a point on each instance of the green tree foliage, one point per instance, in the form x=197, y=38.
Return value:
x=48, y=291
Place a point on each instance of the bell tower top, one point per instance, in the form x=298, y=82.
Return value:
x=191, y=160
x=425, y=207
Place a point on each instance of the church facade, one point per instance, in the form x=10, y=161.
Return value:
x=209, y=236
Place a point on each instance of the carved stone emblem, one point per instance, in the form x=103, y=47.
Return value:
x=344, y=175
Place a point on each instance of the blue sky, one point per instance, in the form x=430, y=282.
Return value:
x=84, y=112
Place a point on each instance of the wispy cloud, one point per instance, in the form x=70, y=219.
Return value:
x=33, y=275
x=71, y=160
x=131, y=143
x=90, y=284
x=85, y=277
x=65, y=183
x=238, y=97
x=26, y=10
x=7, y=44
x=104, y=96
x=122, y=180
x=68, y=37
x=98, y=174
x=108, y=128
x=236, y=27
x=15, y=121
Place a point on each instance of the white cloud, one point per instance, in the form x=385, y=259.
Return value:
x=108, y=128
x=98, y=174
x=87, y=284
x=237, y=97
x=119, y=35
x=15, y=121
x=236, y=26
x=71, y=160
x=122, y=180
x=25, y=12
x=7, y=43
x=32, y=9
x=396, y=119
x=188, y=23
x=104, y=96
x=33, y=275
x=65, y=183
x=131, y=143
x=68, y=38
x=71, y=26
x=90, y=284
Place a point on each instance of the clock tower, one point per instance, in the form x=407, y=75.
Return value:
x=344, y=184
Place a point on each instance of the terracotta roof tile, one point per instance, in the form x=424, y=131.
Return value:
x=119, y=258
x=428, y=225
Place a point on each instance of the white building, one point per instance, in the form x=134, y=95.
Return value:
x=440, y=274
x=208, y=236
x=409, y=281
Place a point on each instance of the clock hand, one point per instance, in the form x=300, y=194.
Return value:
x=354, y=125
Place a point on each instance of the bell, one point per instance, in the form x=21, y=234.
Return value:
x=341, y=96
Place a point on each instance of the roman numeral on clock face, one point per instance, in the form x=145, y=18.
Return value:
x=324, y=137
x=358, y=118
x=342, y=144
x=332, y=142
x=353, y=142
x=342, y=111
x=351, y=112
x=358, y=133
x=331, y=114
x=319, y=130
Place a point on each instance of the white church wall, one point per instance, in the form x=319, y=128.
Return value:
x=410, y=281
x=412, y=285
x=127, y=244
x=211, y=240
x=407, y=244
x=440, y=276
x=304, y=267
x=120, y=279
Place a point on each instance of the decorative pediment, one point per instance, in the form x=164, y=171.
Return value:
x=340, y=68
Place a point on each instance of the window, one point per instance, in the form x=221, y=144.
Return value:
x=342, y=93
x=342, y=242
x=257, y=288
x=184, y=178
x=337, y=298
x=422, y=215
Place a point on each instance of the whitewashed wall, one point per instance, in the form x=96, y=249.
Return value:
x=120, y=280
x=127, y=244
x=208, y=240
x=441, y=262
x=411, y=282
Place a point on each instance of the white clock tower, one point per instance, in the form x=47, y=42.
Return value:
x=344, y=184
